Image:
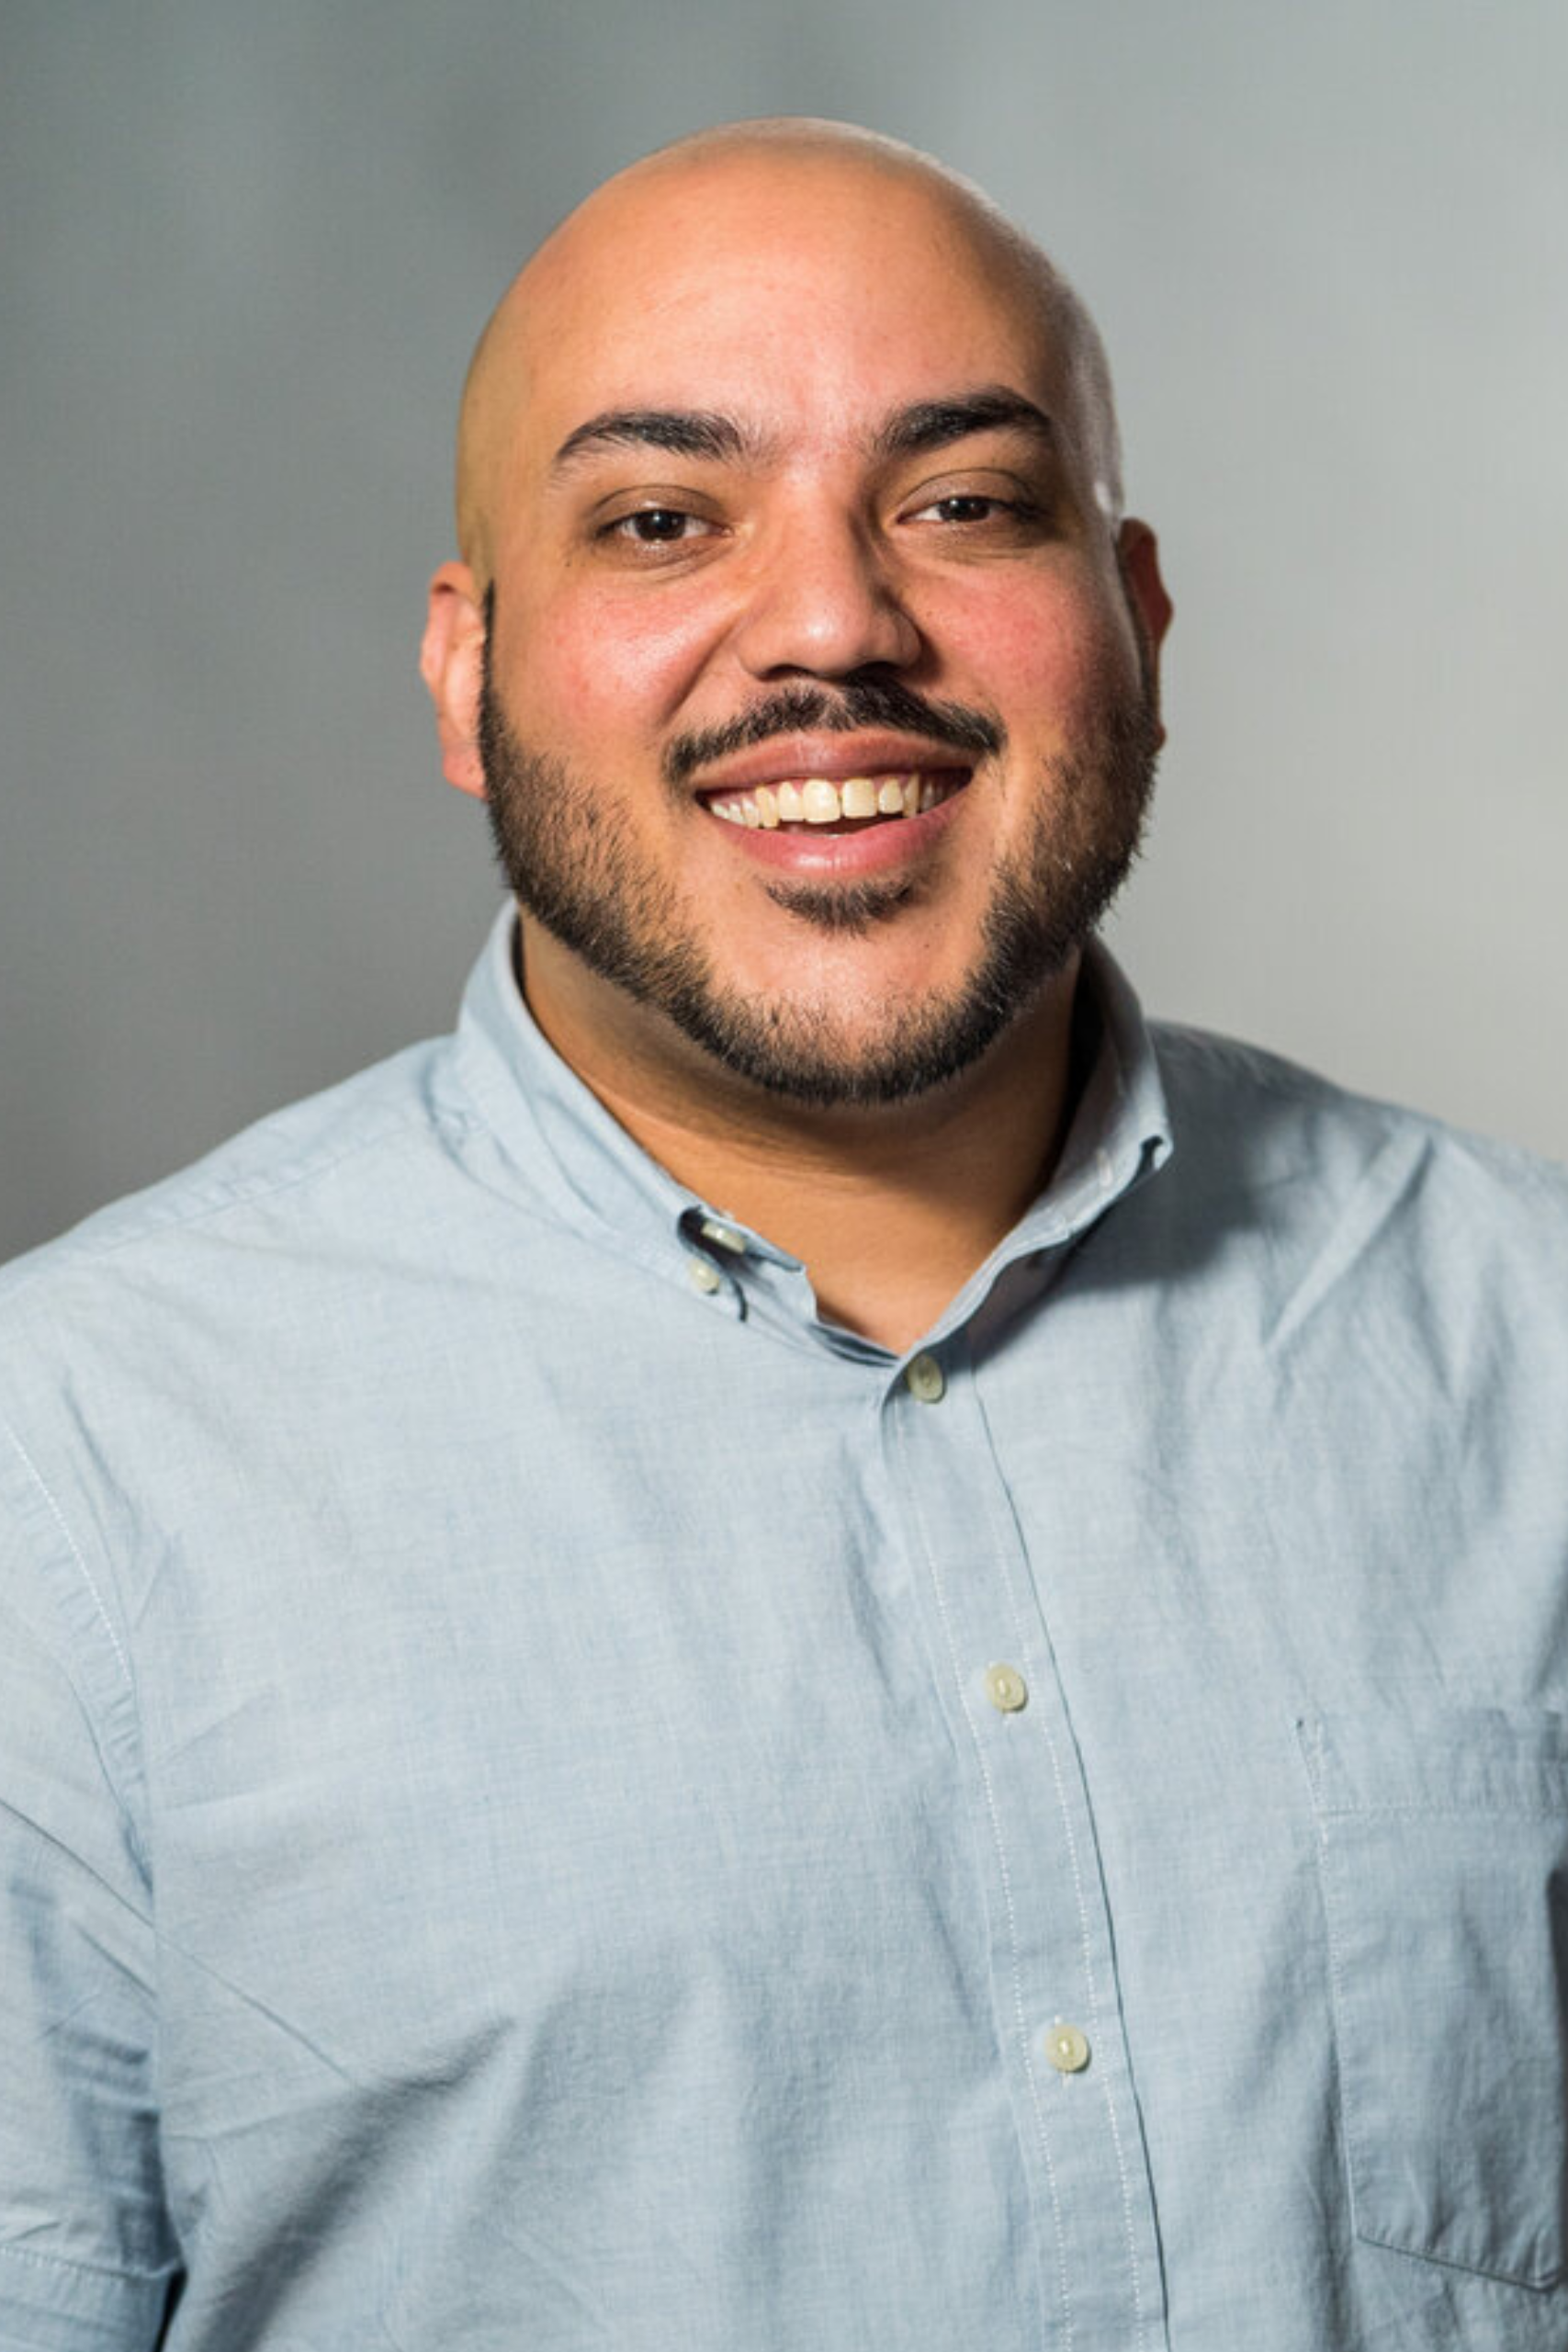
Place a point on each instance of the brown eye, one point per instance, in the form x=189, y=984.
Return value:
x=971, y=506
x=654, y=525
x=1004, y=517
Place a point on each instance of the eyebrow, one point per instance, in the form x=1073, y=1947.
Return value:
x=934, y=424
x=687, y=432
x=914, y=431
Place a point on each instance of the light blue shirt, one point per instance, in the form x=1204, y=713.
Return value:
x=550, y=1798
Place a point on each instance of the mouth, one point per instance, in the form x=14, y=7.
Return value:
x=835, y=805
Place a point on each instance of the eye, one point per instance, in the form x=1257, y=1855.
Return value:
x=975, y=506
x=656, y=526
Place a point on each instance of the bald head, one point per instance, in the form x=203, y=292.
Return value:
x=783, y=176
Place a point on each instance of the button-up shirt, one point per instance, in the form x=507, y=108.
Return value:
x=549, y=1796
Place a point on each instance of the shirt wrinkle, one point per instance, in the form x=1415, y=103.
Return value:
x=1384, y=1189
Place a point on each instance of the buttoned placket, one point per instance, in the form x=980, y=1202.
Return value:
x=1054, y=1989
x=986, y=1636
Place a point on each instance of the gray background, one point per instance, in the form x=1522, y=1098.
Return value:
x=246, y=253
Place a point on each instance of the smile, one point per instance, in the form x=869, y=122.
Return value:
x=819, y=800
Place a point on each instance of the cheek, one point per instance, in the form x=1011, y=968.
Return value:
x=1048, y=661
x=600, y=660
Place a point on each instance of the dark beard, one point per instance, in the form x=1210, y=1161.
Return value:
x=571, y=863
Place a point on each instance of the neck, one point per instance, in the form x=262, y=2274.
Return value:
x=890, y=1209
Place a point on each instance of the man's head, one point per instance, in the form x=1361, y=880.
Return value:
x=786, y=462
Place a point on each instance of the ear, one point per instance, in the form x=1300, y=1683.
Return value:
x=451, y=663
x=1137, y=558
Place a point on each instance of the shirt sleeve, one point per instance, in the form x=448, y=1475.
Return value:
x=88, y=2255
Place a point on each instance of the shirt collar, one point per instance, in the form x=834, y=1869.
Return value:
x=582, y=1166
x=578, y=1161
x=1120, y=1132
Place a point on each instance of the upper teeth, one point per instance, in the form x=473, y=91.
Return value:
x=815, y=800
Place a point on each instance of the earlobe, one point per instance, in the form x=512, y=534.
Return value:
x=451, y=663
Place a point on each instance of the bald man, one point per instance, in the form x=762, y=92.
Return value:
x=810, y=1642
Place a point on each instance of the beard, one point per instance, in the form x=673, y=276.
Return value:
x=570, y=859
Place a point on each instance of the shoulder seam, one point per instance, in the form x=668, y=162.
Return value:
x=1277, y=1074
x=169, y=1217
x=1270, y=1068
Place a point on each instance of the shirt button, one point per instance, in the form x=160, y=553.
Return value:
x=1066, y=2049
x=922, y=1378
x=1006, y=1689
x=702, y=1276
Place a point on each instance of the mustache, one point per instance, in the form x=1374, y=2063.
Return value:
x=860, y=703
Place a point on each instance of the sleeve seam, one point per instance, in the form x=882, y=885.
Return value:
x=86, y=2269
x=101, y=1731
x=58, y=1516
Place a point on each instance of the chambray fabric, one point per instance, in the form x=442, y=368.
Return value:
x=506, y=1841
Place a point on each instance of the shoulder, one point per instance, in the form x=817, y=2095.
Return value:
x=1310, y=1157
x=162, y=1332
x=1212, y=1081
x=280, y=1186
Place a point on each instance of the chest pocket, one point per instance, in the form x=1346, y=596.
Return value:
x=1443, y=1847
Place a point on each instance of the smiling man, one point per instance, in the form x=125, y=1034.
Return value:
x=807, y=670
x=810, y=1642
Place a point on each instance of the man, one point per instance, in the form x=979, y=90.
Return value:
x=808, y=1643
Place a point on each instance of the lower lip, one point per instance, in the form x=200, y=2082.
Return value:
x=825, y=856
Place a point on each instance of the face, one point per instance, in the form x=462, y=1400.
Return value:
x=816, y=715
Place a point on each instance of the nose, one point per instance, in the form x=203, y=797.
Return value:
x=824, y=605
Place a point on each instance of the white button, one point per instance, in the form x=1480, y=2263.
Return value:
x=1006, y=1689
x=723, y=1236
x=1066, y=2049
x=702, y=1275
x=922, y=1378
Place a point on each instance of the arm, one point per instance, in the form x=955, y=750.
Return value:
x=88, y=2255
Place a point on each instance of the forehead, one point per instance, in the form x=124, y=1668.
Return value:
x=811, y=302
